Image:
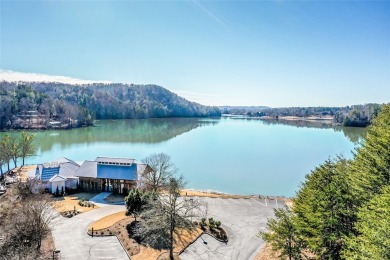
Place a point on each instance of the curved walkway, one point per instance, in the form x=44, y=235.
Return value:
x=70, y=236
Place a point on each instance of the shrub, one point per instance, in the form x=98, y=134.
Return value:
x=82, y=202
x=211, y=225
x=211, y=221
x=217, y=223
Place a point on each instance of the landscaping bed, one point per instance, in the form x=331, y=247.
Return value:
x=77, y=202
x=69, y=214
x=119, y=224
x=108, y=221
x=213, y=228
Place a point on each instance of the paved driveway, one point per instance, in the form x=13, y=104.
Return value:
x=242, y=219
x=70, y=236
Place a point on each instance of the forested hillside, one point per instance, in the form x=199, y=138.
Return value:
x=41, y=104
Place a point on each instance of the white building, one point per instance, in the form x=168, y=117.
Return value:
x=60, y=173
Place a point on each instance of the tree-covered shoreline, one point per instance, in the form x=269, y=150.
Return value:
x=354, y=116
x=43, y=105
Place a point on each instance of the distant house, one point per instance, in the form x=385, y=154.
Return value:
x=54, y=124
x=60, y=173
x=117, y=175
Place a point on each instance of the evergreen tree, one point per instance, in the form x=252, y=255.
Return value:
x=370, y=169
x=283, y=235
x=135, y=202
x=374, y=229
x=57, y=194
x=324, y=209
x=342, y=210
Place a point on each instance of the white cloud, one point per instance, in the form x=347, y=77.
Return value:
x=13, y=76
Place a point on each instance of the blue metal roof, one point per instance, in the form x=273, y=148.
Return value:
x=47, y=173
x=117, y=172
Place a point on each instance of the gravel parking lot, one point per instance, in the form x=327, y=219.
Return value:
x=242, y=219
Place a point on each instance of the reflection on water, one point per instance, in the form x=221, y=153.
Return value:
x=354, y=134
x=148, y=131
x=230, y=155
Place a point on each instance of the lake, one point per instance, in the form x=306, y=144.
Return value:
x=232, y=155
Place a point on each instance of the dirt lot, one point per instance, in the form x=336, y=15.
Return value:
x=213, y=194
x=71, y=202
x=266, y=253
x=21, y=172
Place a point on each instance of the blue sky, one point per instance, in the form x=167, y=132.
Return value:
x=274, y=53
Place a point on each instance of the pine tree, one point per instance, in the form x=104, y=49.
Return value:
x=323, y=209
x=371, y=168
x=283, y=235
x=374, y=228
x=135, y=202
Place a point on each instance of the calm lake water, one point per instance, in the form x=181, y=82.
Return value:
x=238, y=156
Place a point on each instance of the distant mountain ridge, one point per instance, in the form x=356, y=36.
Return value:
x=39, y=104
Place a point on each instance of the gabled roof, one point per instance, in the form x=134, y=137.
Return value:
x=65, y=160
x=57, y=178
x=68, y=169
x=87, y=169
x=62, y=166
x=114, y=160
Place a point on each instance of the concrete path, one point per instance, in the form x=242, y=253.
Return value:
x=242, y=219
x=99, y=199
x=70, y=237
